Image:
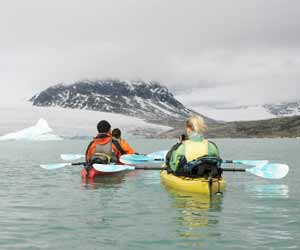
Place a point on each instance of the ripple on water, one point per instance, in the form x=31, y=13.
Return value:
x=57, y=210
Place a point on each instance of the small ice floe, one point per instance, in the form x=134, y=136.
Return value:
x=39, y=132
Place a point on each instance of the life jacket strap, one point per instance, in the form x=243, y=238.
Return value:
x=118, y=146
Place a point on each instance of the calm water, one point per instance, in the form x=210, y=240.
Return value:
x=54, y=210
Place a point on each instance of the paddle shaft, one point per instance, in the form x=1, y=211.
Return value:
x=228, y=161
x=160, y=168
x=147, y=168
x=269, y=171
x=234, y=169
x=78, y=163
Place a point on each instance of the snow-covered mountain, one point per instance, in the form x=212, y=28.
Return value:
x=284, y=108
x=148, y=109
x=147, y=100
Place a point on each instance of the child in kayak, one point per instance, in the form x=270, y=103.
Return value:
x=102, y=149
x=191, y=156
x=121, y=144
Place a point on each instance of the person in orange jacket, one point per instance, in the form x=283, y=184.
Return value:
x=103, y=148
x=123, y=146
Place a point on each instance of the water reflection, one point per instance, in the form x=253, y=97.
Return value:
x=271, y=191
x=196, y=213
x=106, y=181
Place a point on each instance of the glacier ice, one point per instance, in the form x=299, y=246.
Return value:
x=39, y=132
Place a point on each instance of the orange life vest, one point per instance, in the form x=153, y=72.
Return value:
x=102, y=144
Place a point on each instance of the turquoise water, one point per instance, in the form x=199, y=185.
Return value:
x=55, y=210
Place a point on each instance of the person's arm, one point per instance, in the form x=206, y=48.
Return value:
x=126, y=147
x=213, y=149
x=170, y=152
x=88, y=152
x=176, y=156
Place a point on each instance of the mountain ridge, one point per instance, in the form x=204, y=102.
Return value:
x=282, y=109
x=285, y=127
x=154, y=103
x=148, y=100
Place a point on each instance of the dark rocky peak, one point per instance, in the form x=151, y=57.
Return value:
x=145, y=99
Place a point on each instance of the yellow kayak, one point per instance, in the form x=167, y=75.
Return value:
x=193, y=185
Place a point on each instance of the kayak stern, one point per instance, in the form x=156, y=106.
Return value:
x=193, y=185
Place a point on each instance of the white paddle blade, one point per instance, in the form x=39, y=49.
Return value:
x=270, y=171
x=71, y=157
x=54, y=166
x=112, y=168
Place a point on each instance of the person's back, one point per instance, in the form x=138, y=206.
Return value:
x=195, y=150
x=124, y=146
x=102, y=148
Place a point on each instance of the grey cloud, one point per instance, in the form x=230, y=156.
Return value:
x=231, y=51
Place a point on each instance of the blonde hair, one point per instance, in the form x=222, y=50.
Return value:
x=196, y=123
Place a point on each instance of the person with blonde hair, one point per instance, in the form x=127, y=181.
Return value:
x=194, y=156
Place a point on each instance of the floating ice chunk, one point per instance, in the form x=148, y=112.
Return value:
x=40, y=132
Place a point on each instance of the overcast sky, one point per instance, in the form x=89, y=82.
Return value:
x=223, y=52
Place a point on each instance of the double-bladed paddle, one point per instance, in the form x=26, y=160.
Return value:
x=158, y=157
x=268, y=171
x=99, y=167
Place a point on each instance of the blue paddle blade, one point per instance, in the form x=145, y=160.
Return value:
x=254, y=163
x=71, y=157
x=270, y=171
x=134, y=159
x=54, y=166
x=112, y=168
x=158, y=156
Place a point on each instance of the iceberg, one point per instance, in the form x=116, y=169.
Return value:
x=39, y=132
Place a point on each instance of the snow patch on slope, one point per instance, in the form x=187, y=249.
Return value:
x=284, y=108
x=162, y=109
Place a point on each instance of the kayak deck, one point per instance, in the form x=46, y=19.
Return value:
x=193, y=185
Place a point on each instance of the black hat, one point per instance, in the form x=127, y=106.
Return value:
x=103, y=126
x=116, y=133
